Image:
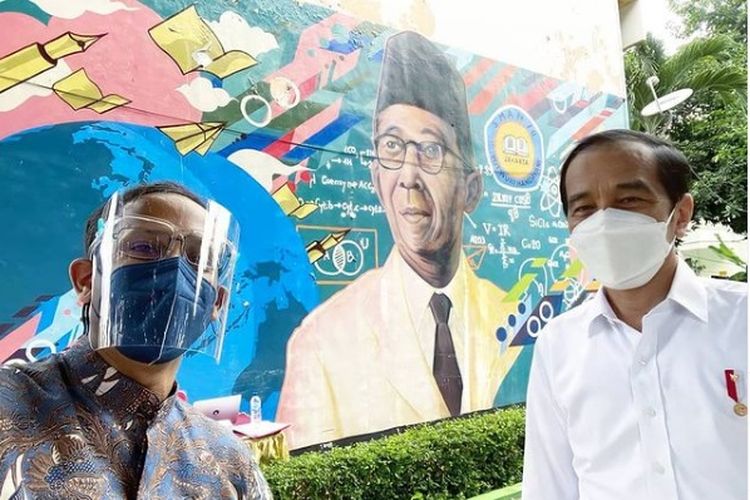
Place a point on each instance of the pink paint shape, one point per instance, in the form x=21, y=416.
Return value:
x=312, y=63
x=125, y=62
x=317, y=122
x=18, y=337
x=279, y=181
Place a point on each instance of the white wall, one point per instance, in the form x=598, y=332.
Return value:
x=575, y=40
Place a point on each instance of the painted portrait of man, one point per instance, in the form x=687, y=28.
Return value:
x=413, y=340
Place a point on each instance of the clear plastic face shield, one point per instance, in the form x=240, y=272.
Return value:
x=162, y=274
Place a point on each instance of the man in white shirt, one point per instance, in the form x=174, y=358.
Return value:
x=639, y=393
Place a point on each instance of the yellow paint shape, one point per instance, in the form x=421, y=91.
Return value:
x=27, y=62
x=291, y=204
x=192, y=45
x=78, y=91
x=196, y=137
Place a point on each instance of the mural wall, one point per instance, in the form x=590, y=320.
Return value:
x=402, y=237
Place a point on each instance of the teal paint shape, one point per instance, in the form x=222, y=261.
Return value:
x=513, y=389
x=24, y=7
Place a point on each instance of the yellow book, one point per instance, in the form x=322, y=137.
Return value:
x=291, y=205
x=192, y=45
x=78, y=91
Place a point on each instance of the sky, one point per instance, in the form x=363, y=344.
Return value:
x=661, y=22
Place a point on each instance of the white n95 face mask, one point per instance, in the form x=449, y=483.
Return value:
x=622, y=249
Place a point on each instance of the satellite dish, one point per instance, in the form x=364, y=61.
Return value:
x=666, y=102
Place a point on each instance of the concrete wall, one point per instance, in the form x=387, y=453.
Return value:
x=570, y=40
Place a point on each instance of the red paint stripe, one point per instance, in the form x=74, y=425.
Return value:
x=15, y=339
x=589, y=126
x=307, y=87
x=281, y=146
x=530, y=99
x=304, y=131
x=484, y=97
x=477, y=71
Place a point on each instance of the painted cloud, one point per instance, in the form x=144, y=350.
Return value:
x=70, y=9
x=263, y=167
x=204, y=96
x=235, y=34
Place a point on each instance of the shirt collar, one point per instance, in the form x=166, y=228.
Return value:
x=599, y=310
x=686, y=291
x=111, y=389
x=419, y=292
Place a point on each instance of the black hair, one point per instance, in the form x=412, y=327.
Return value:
x=673, y=168
x=133, y=194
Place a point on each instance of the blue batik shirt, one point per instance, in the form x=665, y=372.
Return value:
x=73, y=427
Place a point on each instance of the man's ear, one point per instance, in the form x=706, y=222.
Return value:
x=683, y=214
x=80, y=272
x=222, y=296
x=474, y=189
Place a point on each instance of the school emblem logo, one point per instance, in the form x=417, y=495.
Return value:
x=515, y=149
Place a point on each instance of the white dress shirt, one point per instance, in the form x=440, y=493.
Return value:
x=418, y=294
x=613, y=413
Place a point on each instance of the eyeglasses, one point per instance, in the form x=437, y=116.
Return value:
x=147, y=239
x=390, y=151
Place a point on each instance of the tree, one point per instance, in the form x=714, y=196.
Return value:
x=711, y=127
x=703, y=65
x=712, y=17
x=714, y=140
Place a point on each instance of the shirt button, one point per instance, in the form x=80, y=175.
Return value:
x=650, y=412
x=659, y=468
x=643, y=361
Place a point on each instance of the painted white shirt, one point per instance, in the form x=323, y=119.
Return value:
x=418, y=294
x=614, y=414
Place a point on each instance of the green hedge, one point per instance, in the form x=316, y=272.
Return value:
x=451, y=459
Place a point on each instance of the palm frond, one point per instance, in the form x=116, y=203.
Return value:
x=690, y=56
x=722, y=78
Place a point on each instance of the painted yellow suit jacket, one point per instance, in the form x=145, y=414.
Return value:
x=355, y=366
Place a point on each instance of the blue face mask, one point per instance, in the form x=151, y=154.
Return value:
x=154, y=304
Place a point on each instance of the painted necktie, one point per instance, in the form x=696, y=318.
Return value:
x=445, y=365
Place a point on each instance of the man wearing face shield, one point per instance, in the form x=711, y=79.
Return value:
x=413, y=340
x=102, y=420
x=640, y=392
